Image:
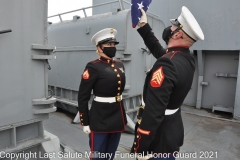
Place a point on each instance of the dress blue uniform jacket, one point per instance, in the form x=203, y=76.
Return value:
x=107, y=79
x=166, y=86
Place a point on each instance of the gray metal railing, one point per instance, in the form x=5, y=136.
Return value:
x=102, y=4
x=83, y=9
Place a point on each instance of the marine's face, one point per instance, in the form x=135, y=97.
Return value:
x=109, y=44
x=168, y=32
x=108, y=49
x=176, y=33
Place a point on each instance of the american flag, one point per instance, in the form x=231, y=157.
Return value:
x=135, y=10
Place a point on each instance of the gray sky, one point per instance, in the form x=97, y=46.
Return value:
x=60, y=6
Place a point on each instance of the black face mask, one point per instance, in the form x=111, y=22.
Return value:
x=167, y=34
x=110, y=51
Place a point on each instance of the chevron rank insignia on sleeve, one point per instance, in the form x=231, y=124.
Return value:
x=86, y=75
x=157, y=78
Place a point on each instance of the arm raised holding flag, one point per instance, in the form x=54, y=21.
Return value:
x=160, y=129
x=148, y=36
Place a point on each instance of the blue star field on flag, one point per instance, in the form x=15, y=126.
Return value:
x=136, y=12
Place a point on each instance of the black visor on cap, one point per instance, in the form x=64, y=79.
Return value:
x=107, y=40
x=175, y=22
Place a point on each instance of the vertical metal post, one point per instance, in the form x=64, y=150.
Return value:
x=121, y=4
x=55, y=91
x=60, y=17
x=45, y=63
x=85, y=14
x=236, y=113
x=200, y=79
x=46, y=78
x=13, y=137
x=40, y=129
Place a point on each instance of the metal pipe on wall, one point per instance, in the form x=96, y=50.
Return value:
x=236, y=113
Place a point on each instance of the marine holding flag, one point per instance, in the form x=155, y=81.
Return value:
x=160, y=133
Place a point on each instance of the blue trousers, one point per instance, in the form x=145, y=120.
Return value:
x=103, y=145
x=168, y=158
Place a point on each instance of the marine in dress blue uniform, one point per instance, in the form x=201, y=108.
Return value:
x=106, y=78
x=159, y=131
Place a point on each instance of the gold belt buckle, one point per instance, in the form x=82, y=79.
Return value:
x=118, y=98
x=143, y=106
x=139, y=121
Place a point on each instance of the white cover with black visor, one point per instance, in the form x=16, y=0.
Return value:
x=104, y=36
x=188, y=24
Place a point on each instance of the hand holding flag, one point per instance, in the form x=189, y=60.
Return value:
x=136, y=13
x=143, y=19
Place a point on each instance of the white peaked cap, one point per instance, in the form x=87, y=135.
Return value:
x=104, y=36
x=189, y=24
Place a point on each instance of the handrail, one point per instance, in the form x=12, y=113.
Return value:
x=121, y=4
x=84, y=8
x=5, y=31
x=59, y=15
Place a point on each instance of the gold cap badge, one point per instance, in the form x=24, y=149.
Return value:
x=111, y=31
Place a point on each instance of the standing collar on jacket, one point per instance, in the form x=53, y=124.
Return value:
x=178, y=48
x=107, y=60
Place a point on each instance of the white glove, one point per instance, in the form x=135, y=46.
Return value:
x=145, y=157
x=143, y=19
x=86, y=129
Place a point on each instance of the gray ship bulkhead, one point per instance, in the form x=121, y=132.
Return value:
x=24, y=78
